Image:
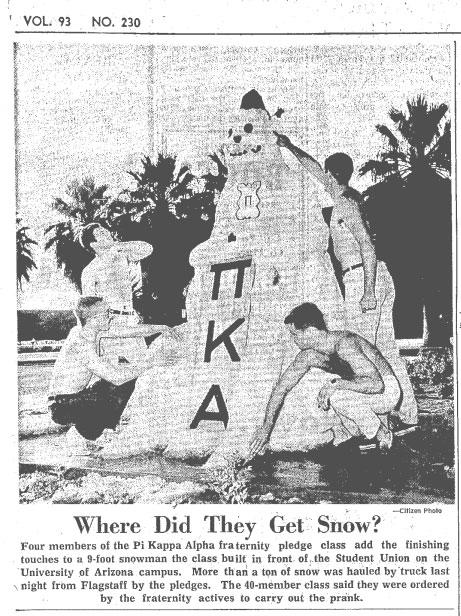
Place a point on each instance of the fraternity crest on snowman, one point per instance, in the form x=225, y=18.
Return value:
x=266, y=255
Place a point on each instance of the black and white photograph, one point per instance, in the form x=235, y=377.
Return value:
x=234, y=271
x=231, y=315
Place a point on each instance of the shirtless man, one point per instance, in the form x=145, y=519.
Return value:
x=72, y=401
x=110, y=275
x=363, y=396
x=369, y=291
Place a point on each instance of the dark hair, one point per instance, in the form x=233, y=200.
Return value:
x=87, y=235
x=306, y=315
x=84, y=306
x=340, y=166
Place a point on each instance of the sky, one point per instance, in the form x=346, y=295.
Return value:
x=95, y=110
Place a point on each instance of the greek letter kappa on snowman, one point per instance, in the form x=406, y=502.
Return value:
x=248, y=201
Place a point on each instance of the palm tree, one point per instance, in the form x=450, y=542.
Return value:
x=421, y=147
x=87, y=203
x=174, y=211
x=409, y=207
x=24, y=259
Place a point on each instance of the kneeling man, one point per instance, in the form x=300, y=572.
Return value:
x=363, y=395
x=72, y=399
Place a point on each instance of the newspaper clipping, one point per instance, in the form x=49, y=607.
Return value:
x=236, y=306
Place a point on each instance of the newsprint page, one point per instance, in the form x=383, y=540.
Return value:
x=235, y=297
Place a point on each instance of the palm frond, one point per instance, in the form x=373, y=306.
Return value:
x=440, y=153
x=389, y=135
x=136, y=176
x=377, y=168
x=420, y=126
x=24, y=257
x=436, y=114
x=183, y=171
x=216, y=183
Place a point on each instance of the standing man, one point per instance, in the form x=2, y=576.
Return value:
x=91, y=409
x=110, y=276
x=363, y=396
x=368, y=287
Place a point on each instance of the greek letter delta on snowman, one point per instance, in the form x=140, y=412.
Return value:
x=267, y=254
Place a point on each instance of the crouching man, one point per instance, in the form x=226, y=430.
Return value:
x=87, y=391
x=362, y=396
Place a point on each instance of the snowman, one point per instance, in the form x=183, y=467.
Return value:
x=266, y=255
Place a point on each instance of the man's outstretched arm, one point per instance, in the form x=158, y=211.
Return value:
x=135, y=331
x=289, y=379
x=305, y=159
x=115, y=374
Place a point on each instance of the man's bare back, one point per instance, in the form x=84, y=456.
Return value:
x=340, y=359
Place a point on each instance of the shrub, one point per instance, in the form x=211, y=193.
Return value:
x=433, y=370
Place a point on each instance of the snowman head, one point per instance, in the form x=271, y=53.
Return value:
x=251, y=133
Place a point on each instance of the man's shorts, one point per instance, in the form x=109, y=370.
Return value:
x=93, y=409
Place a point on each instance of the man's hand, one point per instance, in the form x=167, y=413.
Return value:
x=368, y=302
x=173, y=333
x=282, y=140
x=258, y=442
x=323, y=399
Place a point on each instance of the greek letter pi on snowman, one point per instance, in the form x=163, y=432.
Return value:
x=266, y=255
